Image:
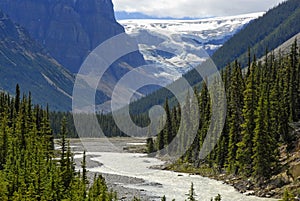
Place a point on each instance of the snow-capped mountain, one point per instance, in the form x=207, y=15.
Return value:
x=177, y=46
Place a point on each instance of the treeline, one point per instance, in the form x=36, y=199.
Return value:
x=106, y=122
x=30, y=167
x=261, y=102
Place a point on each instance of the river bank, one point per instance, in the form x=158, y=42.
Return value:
x=287, y=178
x=116, y=182
x=245, y=186
x=130, y=174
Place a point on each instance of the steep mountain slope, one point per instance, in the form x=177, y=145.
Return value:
x=267, y=32
x=176, y=46
x=24, y=61
x=285, y=48
x=69, y=29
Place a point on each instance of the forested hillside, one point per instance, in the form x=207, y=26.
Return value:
x=268, y=32
x=30, y=168
x=262, y=104
x=106, y=122
x=265, y=33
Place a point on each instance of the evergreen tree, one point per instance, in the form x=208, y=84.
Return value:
x=150, y=146
x=192, y=194
x=204, y=121
x=160, y=141
x=264, y=141
x=168, y=135
x=30, y=168
x=245, y=147
x=235, y=120
x=17, y=98
x=218, y=198
x=293, y=82
x=84, y=171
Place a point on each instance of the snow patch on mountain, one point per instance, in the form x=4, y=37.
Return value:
x=176, y=46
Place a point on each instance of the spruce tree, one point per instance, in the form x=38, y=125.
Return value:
x=265, y=154
x=293, y=82
x=235, y=120
x=150, y=146
x=191, y=193
x=245, y=147
x=168, y=135
x=17, y=99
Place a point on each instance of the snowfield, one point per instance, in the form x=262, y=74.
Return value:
x=174, y=47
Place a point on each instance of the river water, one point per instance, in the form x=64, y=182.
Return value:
x=156, y=183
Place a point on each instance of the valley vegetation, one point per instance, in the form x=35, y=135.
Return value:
x=31, y=168
x=263, y=104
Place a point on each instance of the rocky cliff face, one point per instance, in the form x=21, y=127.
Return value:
x=69, y=29
x=23, y=61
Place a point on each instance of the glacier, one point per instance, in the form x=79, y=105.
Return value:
x=174, y=47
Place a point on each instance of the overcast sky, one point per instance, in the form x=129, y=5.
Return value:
x=194, y=8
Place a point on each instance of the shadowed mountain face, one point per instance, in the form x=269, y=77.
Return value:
x=25, y=62
x=69, y=29
x=59, y=34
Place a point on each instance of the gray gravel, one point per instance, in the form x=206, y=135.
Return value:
x=115, y=182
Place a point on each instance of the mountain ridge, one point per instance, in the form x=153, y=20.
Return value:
x=286, y=16
x=69, y=29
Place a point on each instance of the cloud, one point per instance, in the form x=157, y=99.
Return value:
x=194, y=8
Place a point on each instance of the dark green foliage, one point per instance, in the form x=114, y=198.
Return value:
x=262, y=158
x=235, y=105
x=99, y=191
x=218, y=198
x=168, y=130
x=274, y=28
x=30, y=168
x=287, y=196
x=192, y=194
x=261, y=104
x=150, y=146
x=245, y=146
x=106, y=122
x=160, y=141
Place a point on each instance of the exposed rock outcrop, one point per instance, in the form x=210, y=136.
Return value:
x=69, y=29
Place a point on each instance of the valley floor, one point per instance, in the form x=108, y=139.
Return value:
x=129, y=184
